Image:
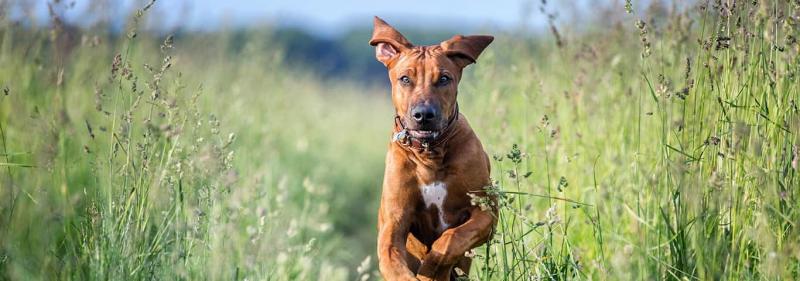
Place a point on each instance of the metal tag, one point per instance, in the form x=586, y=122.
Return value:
x=400, y=136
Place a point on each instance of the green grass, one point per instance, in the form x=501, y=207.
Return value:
x=629, y=152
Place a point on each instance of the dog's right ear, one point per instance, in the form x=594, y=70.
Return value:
x=388, y=42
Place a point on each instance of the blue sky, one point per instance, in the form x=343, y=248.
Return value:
x=327, y=16
x=320, y=16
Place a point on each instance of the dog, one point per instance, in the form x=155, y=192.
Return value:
x=435, y=165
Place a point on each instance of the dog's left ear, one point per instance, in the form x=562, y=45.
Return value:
x=464, y=50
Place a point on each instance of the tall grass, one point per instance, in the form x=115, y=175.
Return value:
x=676, y=163
x=124, y=160
x=662, y=146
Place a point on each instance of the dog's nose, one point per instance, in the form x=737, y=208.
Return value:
x=424, y=113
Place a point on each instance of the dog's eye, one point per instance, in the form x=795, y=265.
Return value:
x=443, y=80
x=405, y=80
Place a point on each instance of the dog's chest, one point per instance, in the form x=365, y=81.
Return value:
x=433, y=197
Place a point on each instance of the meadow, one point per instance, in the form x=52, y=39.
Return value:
x=661, y=143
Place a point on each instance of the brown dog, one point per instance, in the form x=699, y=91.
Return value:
x=426, y=220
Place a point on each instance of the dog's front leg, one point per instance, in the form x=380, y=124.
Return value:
x=392, y=234
x=451, y=246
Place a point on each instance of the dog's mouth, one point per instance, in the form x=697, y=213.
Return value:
x=423, y=134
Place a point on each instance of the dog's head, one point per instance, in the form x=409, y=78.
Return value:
x=425, y=78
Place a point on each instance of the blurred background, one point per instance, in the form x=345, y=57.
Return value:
x=218, y=140
x=324, y=37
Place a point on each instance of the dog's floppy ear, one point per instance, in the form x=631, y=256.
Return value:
x=464, y=50
x=388, y=42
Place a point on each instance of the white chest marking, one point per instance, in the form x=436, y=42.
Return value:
x=434, y=194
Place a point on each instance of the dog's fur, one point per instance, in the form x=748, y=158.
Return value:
x=427, y=221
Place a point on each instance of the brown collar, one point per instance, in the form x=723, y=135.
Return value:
x=402, y=136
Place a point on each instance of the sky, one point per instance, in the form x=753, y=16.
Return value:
x=319, y=16
x=326, y=16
